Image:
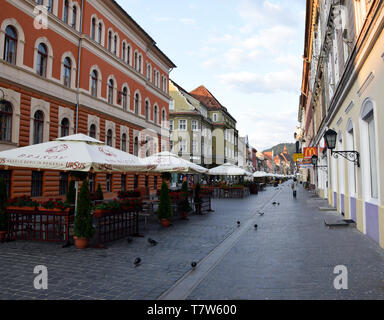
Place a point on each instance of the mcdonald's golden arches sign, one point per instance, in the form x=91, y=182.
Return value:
x=309, y=152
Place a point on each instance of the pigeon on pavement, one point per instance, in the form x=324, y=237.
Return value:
x=137, y=262
x=152, y=242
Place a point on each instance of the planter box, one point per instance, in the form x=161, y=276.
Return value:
x=15, y=208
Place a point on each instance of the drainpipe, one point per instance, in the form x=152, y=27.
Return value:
x=79, y=67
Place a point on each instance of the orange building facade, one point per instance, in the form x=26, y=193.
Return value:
x=80, y=67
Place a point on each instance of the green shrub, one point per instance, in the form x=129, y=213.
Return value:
x=165, y=210
x=83, y=221
x=184, y=203
x=3, y=204
x=99, y=192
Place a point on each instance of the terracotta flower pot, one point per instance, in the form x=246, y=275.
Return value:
x=3, y=235
x=81, y=243
x=165, y=222
x=184, y=215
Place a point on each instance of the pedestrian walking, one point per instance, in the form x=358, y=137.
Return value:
x=294, y=187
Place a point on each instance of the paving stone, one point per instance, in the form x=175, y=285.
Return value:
x=290, y=256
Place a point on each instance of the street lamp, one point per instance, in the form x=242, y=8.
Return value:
x=330, y=139
x=314, y=160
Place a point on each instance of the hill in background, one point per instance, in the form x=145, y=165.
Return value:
x=280, y=148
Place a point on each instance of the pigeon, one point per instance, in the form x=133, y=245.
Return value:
x=152, y=242
x=238, y=223
x=278, y=203
x=261, y=213
x=137, y=262
x=256, y=226
x=193, y=264
x=274, y=203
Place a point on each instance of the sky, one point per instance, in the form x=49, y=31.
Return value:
x=247, y=53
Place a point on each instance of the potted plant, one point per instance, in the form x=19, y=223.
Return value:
x=83, y=228
x=165, y=210
x=184, y=206
x=99, y=192
x=22, y=203
x=3, y=212
x=54, y=205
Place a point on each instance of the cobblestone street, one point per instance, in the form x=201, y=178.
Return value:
x=292, y=255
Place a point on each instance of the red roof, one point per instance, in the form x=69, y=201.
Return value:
x=202, y=94
x=268, y=155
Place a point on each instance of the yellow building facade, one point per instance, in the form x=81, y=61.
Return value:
x=345, y=74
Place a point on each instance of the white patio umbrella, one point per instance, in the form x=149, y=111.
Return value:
x=73, y=153
x=227, y=169
x=169, y=162
x=260, y=174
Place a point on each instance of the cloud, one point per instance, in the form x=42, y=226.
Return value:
x=274, y=39
x=267, y=13
x=271, y=82
x=187, y=20
x=272, y=128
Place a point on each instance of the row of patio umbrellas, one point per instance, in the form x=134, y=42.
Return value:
x=82, y=153
x=262, y=174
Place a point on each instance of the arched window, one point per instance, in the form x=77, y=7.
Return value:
x=67, y=72
x=369, y=119
x=110, y=41
x=147, y=149
x=110, y=91
x=50, y=6
x=115, y=45
x=129, y=54
x=123, y=53
x=146, y=110
x=74, y=16
x=42, y=56
x=136, y=104
x=38, y=127
x=109, y=138
x=92, y=131
x=149, y=72
x=124, y=142
x=351, y=166
x=136, y=147
x=93, y=29
x=94, y=80
x=66, y=10
x=139, y=68
x=163, y=118
x=5, y=121
x=155, y=114
x=10, y=45
x=64, y=128
x=100, y=33
x=135, y=62
x=124, y=100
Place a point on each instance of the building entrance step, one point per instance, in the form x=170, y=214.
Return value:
x=327, y=209
x=335, y=220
